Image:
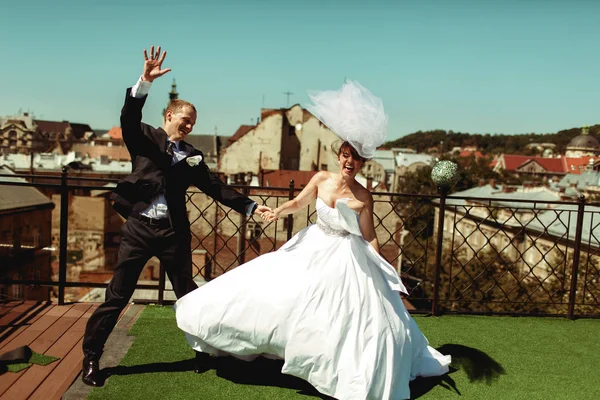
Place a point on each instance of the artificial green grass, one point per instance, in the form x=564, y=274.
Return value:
x=511, y=358
x=36, y=358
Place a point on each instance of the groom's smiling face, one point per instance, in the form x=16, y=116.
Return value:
x=179, y=124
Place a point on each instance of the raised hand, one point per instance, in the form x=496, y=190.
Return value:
x=153, y=64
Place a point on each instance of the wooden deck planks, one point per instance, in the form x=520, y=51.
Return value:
x=57, y=341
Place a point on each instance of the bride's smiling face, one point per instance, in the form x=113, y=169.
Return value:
x=350, y=161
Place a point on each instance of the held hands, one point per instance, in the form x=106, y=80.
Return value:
x=152, y=64
x=270, y=216
x=261, y=210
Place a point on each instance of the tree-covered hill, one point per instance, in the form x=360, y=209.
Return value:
x=487, y=143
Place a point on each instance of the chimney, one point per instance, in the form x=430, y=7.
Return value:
x=493, y=183
x=481, y=182
x=26, y=114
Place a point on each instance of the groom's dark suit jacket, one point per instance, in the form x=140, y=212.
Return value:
x=152, y=172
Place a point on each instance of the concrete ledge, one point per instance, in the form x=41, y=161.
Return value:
x=116, y=347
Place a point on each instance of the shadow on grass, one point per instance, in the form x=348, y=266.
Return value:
x=175, y=366
x=478, y=366
x=421, y=386
x=263, y=372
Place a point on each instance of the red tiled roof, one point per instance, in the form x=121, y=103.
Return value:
x=281, y=178
x=514, y=161
x=577, y=165
x=115, y=133
x=552, y=164
x=52, y=126
x=242, y=130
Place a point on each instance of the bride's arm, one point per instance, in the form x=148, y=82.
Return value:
x=306, y=196
x=367, y=224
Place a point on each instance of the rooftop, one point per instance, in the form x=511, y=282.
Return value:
x=16, y=198
x=493, y=358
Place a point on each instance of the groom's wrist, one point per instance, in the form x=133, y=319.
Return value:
x=251, y=208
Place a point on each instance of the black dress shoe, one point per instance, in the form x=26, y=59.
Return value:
x=91, y=373
x=202, y=362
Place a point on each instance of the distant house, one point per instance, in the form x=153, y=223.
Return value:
x=285, y=139
x=381, y=168
x=575, y=185
x=542, y=166
x=25, y=135
x=25, y=239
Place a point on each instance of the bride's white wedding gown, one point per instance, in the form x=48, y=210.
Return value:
x=327, y=304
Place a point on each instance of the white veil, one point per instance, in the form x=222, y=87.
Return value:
x=352, y=113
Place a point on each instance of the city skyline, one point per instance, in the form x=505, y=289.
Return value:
x=512, y=67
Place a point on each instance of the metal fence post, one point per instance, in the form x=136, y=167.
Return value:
x=64, y=225
x=290, y=217
x=241, y=242
x=161, y=284
x=438, y=252
x=576, y=256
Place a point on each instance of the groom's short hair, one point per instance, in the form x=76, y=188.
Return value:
x=177, y=105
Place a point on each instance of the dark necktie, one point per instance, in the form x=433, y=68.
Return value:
x=170, y=148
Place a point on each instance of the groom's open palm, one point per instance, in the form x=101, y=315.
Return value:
x=153, y=64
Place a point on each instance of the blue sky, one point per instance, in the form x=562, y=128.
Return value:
x=471, y=66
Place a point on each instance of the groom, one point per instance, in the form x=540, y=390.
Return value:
x=153, y=200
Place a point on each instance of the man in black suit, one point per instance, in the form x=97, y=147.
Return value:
x=153, y=200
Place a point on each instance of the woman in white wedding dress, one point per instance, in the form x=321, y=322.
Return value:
x=326, y=302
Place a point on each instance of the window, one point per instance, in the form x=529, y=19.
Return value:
x=324, y=167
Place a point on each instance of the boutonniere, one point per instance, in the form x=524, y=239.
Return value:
x=194, y=161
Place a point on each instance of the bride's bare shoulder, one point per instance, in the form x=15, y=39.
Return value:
x=321, y=176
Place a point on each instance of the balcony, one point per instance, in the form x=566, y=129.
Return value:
x=457, y=256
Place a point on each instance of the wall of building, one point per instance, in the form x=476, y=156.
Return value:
x=24, y=236
x=261, y=143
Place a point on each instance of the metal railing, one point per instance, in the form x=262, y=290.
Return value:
x=455, y=254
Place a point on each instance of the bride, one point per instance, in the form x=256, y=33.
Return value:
x=326, y=302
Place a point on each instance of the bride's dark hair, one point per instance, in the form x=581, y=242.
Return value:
x=338, y=146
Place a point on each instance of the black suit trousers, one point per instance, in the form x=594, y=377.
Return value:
x=139, y=242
